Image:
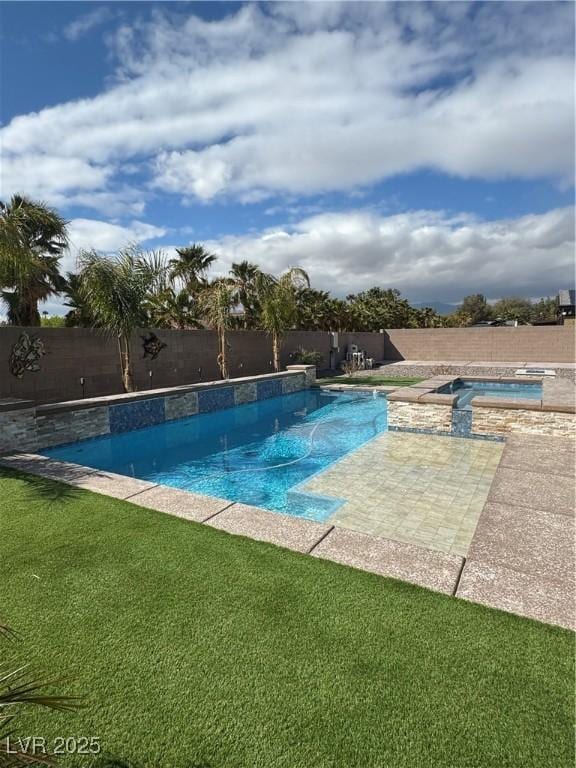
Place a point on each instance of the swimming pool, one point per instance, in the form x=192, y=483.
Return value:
x=256, y=453
x=466, y=389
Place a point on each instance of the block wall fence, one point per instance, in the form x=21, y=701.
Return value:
x=75, y=354
x=525, y=344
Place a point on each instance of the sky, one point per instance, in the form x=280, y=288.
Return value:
x=427, y=147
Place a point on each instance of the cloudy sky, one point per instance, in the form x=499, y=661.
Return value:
x=426, y=147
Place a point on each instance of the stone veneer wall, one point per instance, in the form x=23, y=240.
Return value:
x=502, y=421
x=486, y=422
x=26, y=427
x=18, y=430
x=425, y=408
x=419, y=416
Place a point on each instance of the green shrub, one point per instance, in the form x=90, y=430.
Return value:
x=306, y=356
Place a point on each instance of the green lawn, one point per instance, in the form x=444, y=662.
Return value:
x=371, y=381
x=200, y=649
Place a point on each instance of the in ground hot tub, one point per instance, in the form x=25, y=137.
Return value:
x=467, y=389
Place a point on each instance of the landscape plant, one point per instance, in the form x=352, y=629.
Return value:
x=307, y=356
x=279, y=306
x=191, y=267
x=217, y=300
x=350, y=367
x=33, y=238
x=114, y=293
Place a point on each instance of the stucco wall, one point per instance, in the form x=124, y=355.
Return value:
x=533, y=344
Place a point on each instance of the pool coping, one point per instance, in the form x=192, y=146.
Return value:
x=485, y=576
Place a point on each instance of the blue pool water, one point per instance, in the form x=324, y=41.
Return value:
x=467, y=389
x=255, y=453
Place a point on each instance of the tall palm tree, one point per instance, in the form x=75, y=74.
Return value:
x=191, y=266
x=279, y=305
x=245, y=277
x=114, y=292
x=32, y=240
x=217, y=301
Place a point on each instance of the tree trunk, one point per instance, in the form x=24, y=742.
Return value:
x=27, y=312
x=222, y=353
x=126, y=364
x=276, y=351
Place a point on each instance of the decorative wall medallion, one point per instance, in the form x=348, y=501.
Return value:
x=25, y=355
x=152, y=346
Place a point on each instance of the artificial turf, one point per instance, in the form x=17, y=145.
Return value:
x=376, y=381
x=195, y=649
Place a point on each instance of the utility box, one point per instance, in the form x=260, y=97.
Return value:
x=334, y=340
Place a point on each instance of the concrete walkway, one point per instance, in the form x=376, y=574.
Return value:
x=522, y=555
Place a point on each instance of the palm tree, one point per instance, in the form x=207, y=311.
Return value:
x=217, y=301
x=77, y=315
x=32, y=239
x=114, y=293
x=245, y=277
x=191, y=266
x=173, y=308
x=279, y=305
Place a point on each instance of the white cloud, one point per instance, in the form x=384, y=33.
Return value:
x=49, y=175
x=425, y=254
x=88, y=21
x=310, y=97
x=106, y=237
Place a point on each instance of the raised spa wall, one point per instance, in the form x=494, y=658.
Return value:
x=421, y=408
x=25, y=426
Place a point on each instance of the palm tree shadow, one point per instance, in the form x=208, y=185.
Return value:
x=43, y=488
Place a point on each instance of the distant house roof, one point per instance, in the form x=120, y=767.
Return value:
x=497, y=324
x=567, y=298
